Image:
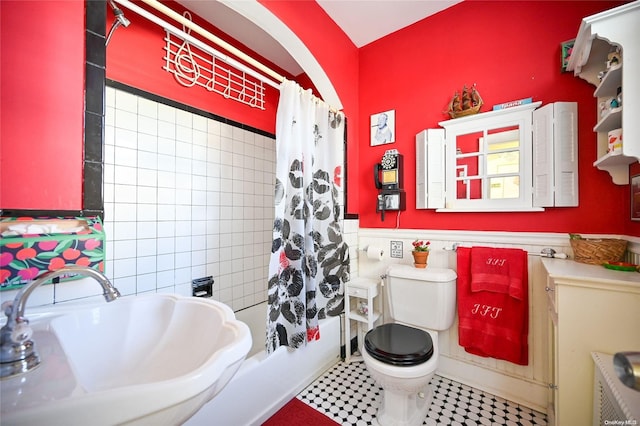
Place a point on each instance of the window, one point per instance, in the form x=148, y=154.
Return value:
x=488, y=165
x=506, y=160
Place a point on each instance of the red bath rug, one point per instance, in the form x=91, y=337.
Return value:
x=296, y=412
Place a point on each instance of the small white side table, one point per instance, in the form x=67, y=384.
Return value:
x=359, y=306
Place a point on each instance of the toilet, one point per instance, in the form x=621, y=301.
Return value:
x=402, y=356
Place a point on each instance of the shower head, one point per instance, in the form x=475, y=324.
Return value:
x=121, y=20
x=119, y=14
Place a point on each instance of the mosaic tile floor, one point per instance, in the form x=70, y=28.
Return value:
x=348, y=395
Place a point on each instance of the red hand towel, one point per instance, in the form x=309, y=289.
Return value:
x=491, y=324
x=498, y=269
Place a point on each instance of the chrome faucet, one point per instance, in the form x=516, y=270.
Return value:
x=17, y=351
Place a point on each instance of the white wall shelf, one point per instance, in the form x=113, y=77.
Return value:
x=613, y=120
x=617, y=166
x=610, y=82
x=597, y=37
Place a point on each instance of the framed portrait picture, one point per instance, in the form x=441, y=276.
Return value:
x=635, y=197
x=383, y=128
x=566, y=48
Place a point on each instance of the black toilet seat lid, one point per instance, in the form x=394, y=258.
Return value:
x=398, y=344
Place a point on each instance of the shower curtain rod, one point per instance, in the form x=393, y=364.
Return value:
x=198, y=29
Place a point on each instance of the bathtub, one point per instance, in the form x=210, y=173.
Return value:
x=264, y=384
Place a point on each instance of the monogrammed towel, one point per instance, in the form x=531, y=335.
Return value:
x=492, y=324
x=498, y=269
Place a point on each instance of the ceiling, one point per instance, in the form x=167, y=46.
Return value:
x=362, y=20
x=365, y=21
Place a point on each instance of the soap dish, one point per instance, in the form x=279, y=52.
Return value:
x=621, y=266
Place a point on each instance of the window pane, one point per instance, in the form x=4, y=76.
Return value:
x=503, y=162
x=506, y=135
x=500, y=146
x=504, y=187
x=469, y=163
x=469, y=189
x=488, y=164
x=467, y=166
x=468, y=143
x=503, y=146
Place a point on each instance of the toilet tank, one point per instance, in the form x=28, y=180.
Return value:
x=423, y=298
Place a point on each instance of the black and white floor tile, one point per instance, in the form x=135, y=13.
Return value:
x=349, y=395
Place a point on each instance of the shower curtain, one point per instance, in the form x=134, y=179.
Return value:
x=309, y=258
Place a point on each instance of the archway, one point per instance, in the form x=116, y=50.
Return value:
x=267, y=21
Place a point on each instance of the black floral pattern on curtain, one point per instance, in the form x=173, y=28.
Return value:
x=309, y=258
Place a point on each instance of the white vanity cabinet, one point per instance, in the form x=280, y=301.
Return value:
x=597, y=37
x=591, y=309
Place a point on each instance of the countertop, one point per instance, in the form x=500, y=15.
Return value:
x=570, y=269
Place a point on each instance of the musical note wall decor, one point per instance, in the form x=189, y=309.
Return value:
x=192, y=66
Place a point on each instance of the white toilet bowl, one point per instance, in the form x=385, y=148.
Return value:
x=402, y=356
x=406, y=393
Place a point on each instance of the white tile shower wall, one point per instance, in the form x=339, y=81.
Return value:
x=185, y=197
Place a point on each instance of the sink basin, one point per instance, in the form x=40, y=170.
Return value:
x=138, y=360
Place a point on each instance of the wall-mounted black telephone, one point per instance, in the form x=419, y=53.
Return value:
x=388, y=173
x=388, y=177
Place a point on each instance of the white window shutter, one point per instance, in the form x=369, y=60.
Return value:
x=555, y=155
x=566, y=154
x=430, y=169
x=543, y=156
x=436, y=171
x=421, y=170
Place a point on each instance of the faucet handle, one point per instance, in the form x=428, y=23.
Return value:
x=7, y=307
x=21, y=332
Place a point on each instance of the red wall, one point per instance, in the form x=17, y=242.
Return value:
x=338, y=57
x=511, y=50
x=41, y=104
x=135, y=57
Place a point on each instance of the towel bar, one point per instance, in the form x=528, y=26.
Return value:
x=546, y=252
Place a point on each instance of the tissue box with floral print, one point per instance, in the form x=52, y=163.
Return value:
x=31, y=246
